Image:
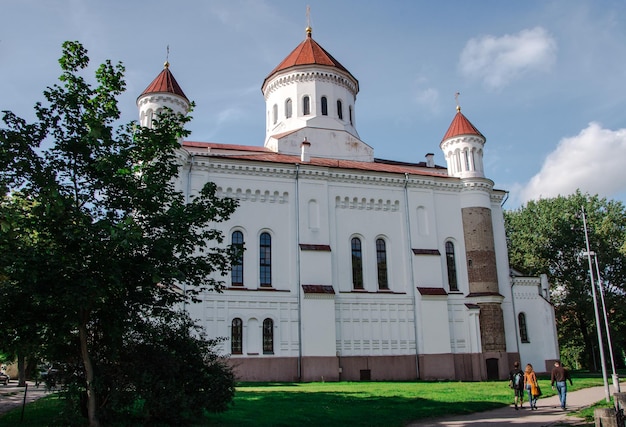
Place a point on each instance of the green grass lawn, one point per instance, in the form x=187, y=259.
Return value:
x=588, y=413
x=367, y=403
x=339, y=403
x=39, y=413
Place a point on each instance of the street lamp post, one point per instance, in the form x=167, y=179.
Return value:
x=595, y=309
x=615, y=376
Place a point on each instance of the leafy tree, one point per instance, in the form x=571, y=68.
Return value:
x=548, y=236
x=122, y=245
x=167, y=373
x=160, y=357
x=21, y=255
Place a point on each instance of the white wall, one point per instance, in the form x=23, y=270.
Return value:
x=540, y=323
x=318, y=325
x=333, y=207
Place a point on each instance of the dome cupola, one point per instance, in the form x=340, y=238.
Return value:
x=164, y=91
x=462, y=146
x=310, y=95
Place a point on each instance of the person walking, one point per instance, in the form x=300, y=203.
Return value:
x=559, y=377
x=516, y=382
x=530, y=380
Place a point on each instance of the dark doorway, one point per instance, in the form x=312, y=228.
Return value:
x=366, y=375
x=493, y=372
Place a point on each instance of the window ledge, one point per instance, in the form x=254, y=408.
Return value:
x=376, y=292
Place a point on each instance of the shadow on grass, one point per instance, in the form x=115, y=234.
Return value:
x=41, y=412
x=291, y=408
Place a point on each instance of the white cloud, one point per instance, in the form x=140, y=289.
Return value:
x=424, y=95
x=428, y=98
x=499, y=60
x=592, y=161
x=229, y=115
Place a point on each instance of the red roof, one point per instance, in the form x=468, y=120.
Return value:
x=165, y=83
x=262, y=154
x=232, y=147
x=312, y=247
x=318, y=289
x=432, y=291
x=461, y=126
x=309, y=52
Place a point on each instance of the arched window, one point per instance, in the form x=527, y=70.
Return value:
x=324, y=106
x=236, y=335
x=357, y=264
x=274, y=113
x=350, y=112
x=339, y=109
x=381, y=262
x=236, y=274
x=523, y=332
x=265, y=259
x=268, y=336
x=306, y=105
x=457, y=161
x=288, y=108
x=451, y=262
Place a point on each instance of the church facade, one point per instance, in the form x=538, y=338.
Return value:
x=358, y=268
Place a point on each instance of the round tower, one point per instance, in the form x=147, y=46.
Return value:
x=310, y=93
x=164, y=91
x=462, y=146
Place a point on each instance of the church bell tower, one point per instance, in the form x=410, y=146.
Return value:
x=462, y=146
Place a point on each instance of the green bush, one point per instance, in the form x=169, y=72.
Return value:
x=166, y=373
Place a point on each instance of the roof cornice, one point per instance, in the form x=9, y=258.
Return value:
x=308, y=73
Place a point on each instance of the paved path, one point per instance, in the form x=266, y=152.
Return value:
x=549, y=412
x=12, y=396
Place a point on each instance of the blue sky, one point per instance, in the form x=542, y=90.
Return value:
x=542, y=80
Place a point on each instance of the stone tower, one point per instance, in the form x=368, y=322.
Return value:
x=463, y=146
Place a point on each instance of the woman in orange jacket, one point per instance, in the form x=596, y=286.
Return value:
x=530, y=380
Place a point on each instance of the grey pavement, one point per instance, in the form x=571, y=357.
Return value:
x=549, y=412
x=12, y=396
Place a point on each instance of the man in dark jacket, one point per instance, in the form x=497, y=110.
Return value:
x=516, y=382
x=559, y=377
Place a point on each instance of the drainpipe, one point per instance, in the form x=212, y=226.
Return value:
x=187, y=198
x=505, y=199
x=189, y=179
x=512, y=279
x=299, y=289
x=515, y=317
x=413, y=288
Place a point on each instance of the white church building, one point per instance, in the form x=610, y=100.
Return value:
x=358, y=268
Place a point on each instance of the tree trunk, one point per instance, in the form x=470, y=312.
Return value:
x=583, y=324
x=21, y=369
x=91, y=393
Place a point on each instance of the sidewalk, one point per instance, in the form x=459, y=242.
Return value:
x=549, y=412
x=12, y=396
